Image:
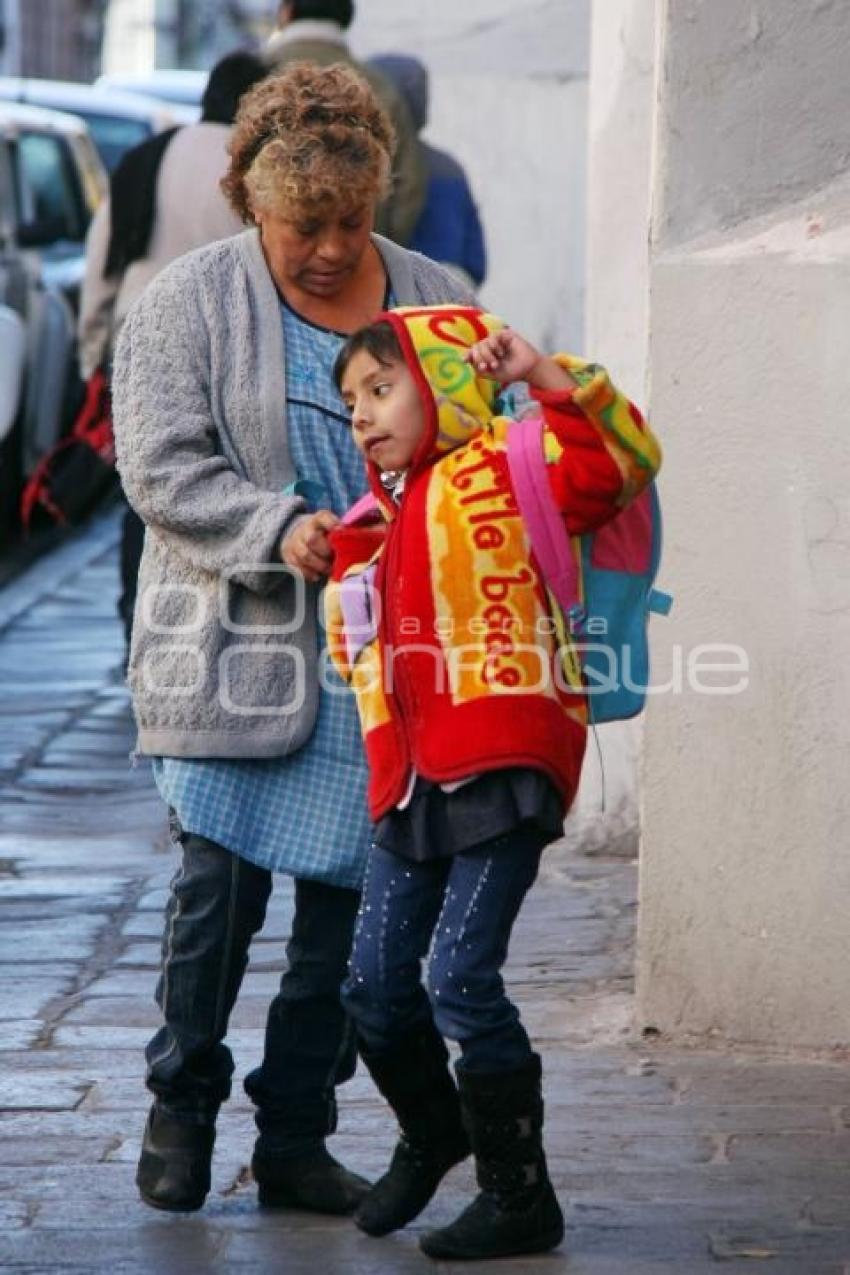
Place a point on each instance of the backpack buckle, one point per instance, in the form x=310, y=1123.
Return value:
x=576, y=618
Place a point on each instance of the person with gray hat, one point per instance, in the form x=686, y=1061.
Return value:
x=449, y=228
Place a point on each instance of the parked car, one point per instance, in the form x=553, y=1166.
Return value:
x=51, y=180
x=180, y=88
x=117, y=121
x=13, y=363
x=59, y=182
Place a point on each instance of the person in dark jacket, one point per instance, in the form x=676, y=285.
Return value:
x=449, y=229
x=164, y=200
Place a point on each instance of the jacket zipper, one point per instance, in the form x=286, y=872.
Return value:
x=397, y=699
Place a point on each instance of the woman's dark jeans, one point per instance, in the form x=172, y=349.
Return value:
x=132, y=544
x=217, y=904
x=468, y=903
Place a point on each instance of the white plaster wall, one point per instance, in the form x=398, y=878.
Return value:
x=605, y=816
x=622, y=96
x=480, y=37
x=754, y=108
x=509, y=100
x=745, y=877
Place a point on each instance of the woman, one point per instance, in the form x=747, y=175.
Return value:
x=228, y=429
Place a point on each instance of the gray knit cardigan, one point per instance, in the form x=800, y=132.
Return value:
x=224, y=653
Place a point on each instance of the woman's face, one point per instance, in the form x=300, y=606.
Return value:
x=316, y=253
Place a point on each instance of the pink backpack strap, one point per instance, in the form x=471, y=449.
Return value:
x=367, y=505
x=542, y=517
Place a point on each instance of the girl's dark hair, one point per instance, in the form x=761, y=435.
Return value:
x=378, y=339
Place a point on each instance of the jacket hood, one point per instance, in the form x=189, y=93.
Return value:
x=410, y=77
x=458, y=403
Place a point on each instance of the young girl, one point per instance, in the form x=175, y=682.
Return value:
x=474, y=724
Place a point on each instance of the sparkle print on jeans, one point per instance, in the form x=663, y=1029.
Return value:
x=471, y=908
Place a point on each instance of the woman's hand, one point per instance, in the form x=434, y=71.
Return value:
x=307, y=548
x=506, y=356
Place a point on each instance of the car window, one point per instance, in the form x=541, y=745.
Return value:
x=95, y=182
x=113, y=135
x=48, y=188
x=8, y=212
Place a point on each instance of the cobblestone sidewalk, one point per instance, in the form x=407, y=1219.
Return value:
x=666, y=1161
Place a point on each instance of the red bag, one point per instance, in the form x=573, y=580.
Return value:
x=71, y=479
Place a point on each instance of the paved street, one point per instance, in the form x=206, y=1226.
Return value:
x=666, y=1161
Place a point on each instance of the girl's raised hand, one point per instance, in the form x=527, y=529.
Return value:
x=505, y=356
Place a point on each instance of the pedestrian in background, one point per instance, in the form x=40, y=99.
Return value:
x=164, y=200
x=449, y=228
x=314, y=31
x=474, y=745
x=226, y=419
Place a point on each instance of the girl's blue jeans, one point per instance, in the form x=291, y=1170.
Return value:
x=464, y=909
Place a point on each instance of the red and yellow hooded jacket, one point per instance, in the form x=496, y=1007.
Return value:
x=436, y=613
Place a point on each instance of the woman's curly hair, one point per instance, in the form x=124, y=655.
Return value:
x=312, y=138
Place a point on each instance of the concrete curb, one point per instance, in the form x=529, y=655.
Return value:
x=97, y=537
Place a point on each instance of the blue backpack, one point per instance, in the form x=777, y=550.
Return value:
x=606, y=604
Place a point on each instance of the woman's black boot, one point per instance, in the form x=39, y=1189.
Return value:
x=174, y=1166
x=291, y=1165
x=314, y=1181
x=516, y=1211
x=415, y=1079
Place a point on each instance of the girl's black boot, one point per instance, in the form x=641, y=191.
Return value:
x=415, y=1079
x=516, y=1211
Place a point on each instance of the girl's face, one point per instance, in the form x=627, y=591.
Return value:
x=387, y=414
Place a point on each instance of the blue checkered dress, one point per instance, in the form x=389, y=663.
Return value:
x=305, y=813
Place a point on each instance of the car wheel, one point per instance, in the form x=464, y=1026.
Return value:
x=11, y=484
